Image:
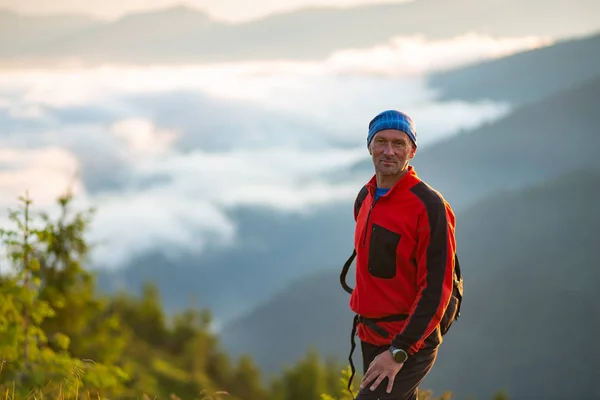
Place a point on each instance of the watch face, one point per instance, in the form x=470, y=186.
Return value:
x=400, y=356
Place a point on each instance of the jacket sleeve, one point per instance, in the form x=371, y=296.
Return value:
x=435, y=269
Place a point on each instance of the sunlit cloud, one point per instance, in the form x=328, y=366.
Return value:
x=417, y=55
x=142, y=138
x=42, y=173
x=261, y=81
x=4, y=103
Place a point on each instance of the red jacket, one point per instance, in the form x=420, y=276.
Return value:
x=405, y=249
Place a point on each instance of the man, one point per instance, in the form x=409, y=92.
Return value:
x=405, y=260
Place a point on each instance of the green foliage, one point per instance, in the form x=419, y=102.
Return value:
x=342, y=393
x=306, y=380
x=33, y=355
x=341, y=389
x=59, y=338
x=501, y=395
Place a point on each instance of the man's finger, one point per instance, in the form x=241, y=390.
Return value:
x=374, y=364
x=372, y=372
x=390, y=384
x=380, y=378
x=367, y=378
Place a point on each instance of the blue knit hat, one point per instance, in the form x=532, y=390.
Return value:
x=392, y=119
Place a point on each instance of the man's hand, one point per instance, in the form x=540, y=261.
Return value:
x=382, y=366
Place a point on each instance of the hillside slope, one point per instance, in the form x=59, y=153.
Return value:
x=523, y=77
x=530, y=263
x=533, y=267
x=533, y=143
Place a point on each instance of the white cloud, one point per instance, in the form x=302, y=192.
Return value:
x=27, y=111
x=187, y=210
x=43, y=173
x=334, y=93
x=142, y=138
x=265, y=82
x=408, y=55
x=440, y=120
x=160, y=218
x=243, y=176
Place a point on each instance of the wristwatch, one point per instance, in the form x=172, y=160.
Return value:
x=399, y=355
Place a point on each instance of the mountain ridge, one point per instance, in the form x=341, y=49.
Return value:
x=302, y=34
x=525, y=77
x=508, y=154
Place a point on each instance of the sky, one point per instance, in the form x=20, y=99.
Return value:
x=226, y=10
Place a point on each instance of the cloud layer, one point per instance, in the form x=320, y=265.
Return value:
x=165, y=152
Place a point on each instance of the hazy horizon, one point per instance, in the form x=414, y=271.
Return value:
x=233, y=11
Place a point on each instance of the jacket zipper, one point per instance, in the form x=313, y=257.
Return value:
x=367, y=224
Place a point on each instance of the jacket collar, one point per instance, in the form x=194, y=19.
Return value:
x=408, y=180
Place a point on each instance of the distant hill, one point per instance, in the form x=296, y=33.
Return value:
x=531, y=144
x=529, y=318
x=523, y=77
x=187, y=35
x=25, y=33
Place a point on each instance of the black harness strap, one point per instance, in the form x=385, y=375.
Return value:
x=358, y=319
x=371, y=323
x=345, y=272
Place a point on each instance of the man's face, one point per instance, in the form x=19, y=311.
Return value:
x=391, y=151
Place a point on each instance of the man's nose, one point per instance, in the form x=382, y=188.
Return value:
x=388, y=150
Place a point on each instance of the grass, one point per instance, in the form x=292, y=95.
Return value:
x=10, y=394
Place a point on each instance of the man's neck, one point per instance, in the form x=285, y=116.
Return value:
x=387, y=181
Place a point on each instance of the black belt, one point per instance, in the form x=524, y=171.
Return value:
x=371, y=323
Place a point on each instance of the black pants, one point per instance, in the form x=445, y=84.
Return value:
x=407, y=380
